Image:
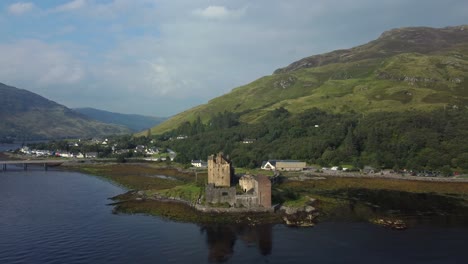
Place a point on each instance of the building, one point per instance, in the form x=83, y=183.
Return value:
x=283, y=165
x=152, y=151
x=91, y=155
x=220, y=195
x=220, y=170
x=219, y=190
x=258, y=187
x=199, y=163
x=140, y=148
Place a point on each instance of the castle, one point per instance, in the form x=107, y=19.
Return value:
x=220, y=170
x=221, y=187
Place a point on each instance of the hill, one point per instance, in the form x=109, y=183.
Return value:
x=398, y=102
x=134, y=122
x=26, y=115
x=417, y=68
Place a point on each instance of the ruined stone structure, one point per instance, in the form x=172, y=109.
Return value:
x=220, y=170
x=247, y=183
x=257, y=189
x=264, y=191
x=220, y=195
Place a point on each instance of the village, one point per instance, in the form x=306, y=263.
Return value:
x=100, y=148
x=105, y=150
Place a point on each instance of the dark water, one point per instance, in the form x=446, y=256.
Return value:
x=62, y=217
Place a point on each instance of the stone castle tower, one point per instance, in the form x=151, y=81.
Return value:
x=220, y=170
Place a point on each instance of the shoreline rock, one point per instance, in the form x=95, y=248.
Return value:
x=396, y=224
x=299, y=217
x=290, y=216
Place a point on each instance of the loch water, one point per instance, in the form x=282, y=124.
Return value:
x=63, y=217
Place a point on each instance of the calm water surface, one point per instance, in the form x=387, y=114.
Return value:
x=62, y=217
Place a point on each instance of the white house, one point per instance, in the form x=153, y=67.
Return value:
x=25, y=150
x=199, y=163
x=152, y=151
x=65, y=155
x=248, y=141
x=91, y=155
x=140, y=148
x=42, y=153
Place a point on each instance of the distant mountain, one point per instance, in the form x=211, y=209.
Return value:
x=417, y=68
x=26, y=115
x=134, y=122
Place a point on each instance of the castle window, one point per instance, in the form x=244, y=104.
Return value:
x=224, y=194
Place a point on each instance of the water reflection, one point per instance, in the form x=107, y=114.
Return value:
x=221, y=239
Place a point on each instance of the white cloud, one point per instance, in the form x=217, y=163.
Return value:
x=38, y=62
x=70, y=6
x=161, y=57
x=20, y=8
x=218, y=12
x=144, y=66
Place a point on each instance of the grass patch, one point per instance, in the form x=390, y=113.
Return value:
x=255, y=171
x=378, y=183
x=300, y=202
x=188, y=192
x=138, y=176
x=438, y=98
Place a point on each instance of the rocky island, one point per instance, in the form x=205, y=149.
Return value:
x=241, y=198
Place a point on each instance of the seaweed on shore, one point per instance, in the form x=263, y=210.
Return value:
x=181, y=212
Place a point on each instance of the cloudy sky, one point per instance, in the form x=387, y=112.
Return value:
x=160, y=57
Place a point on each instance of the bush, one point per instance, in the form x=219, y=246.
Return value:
x=121, y=158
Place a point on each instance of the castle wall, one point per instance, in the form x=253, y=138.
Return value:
x=217, y=195
x=247, y=183
x=219, y=171
x=258, y=190
x=218, y=190
x=264, y=191
x=247, y=200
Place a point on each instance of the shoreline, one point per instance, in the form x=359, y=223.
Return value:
x=311, y=176
x=299, y=176
x=295, y=176
x=333, y=194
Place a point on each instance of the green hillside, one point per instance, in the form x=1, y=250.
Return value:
x=26, y=115
x=404, y=69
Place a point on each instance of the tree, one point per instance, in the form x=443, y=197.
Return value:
x=446, y=171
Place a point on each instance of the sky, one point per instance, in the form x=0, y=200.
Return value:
x=161, y=57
